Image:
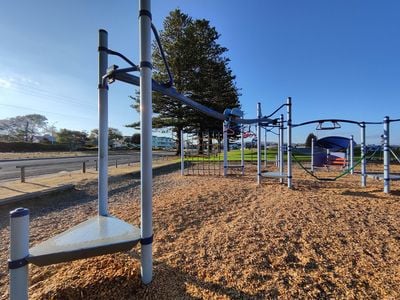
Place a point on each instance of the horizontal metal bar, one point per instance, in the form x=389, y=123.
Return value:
x=51, y=164
x=173, y=93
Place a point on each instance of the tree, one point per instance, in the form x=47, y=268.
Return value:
x=73, y=138
x=200, y=70
x=114, y=134
x=23, y=128
x=136, y=138
x=309, y=139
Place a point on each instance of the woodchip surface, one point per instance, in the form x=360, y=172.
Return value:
x=227, y=238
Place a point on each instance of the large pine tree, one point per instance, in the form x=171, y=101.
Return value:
x=200, y=71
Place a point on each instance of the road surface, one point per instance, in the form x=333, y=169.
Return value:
x=36, y=167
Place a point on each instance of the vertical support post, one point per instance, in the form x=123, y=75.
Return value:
x=103, y=126
x=19, y=250
x=281, y=143
x=351, y=154
x=182, y=154
x=386, y=155
x=265, y=147
x=278, y=156
x=146, y=141
x=312, y=154
x=116, y=163
x=258, y=143
x=83, y=167
x=289, y=142
x=22, y=174
x=225, y=138
x=363, y=159
x=96, y=166
x=242, y=148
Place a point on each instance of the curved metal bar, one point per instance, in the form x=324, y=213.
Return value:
x=328, y=120
x=171, y=79
x=393, y=120
x=372, y=123
x=276, y=110
x=115, y=53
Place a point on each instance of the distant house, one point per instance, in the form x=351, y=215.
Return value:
x=163, y=142
x=117, y=144
x=47, y=138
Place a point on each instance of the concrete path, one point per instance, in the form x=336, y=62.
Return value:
x=15, y=191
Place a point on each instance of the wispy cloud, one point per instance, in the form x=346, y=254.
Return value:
x=12, y=81
x=4, y=83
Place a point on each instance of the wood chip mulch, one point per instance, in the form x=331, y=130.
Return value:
x=227, y=238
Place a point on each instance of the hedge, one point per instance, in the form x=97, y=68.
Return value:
x=31, y=147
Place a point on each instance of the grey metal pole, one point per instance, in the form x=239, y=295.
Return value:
x=103, y=126
x=363, y=160
x=265, y=147
x=281, y=148
x=351, y=154
x=182, y=154
x=289, y=142
x=19, y=251
x=312, y=154
x=242, y=148
x=386, y=155
x=258, y=144
x=225, y=138
x=146, y=140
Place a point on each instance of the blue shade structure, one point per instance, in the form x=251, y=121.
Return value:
x=334, y=143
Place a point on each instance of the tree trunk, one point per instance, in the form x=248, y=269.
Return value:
x=178, y=135
x=209, y=143
x=200, y=145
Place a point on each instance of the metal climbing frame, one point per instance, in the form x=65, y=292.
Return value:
x=201, y=156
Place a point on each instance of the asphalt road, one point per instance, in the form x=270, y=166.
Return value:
x=36, y=167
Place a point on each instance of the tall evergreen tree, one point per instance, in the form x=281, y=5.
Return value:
x=309, y=139
x=200, y=71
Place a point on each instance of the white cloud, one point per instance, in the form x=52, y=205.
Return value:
x=16, y=80
x=5, y=83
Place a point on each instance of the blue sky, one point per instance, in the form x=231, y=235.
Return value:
x=336, y=59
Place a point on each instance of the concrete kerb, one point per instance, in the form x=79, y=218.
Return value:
x=32, y=195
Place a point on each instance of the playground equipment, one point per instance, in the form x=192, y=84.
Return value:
x=99, y=235
x=386, y=176
x=233, y=115
x=147, y=85
x=335, y=124
x=333, y=156
x=106, y=234
x=281, y=146
x=201, y=156
x=335, y=142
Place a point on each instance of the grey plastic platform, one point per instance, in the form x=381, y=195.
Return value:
x=273, y=175
x=379, y=176
x=96, y=236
